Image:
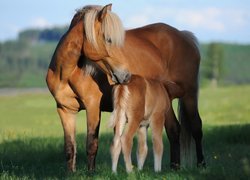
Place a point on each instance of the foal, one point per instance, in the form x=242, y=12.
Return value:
x=140, y=103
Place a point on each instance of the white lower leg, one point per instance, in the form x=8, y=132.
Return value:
x=158, y=152
x=142, y=148
x=141, y=156
x=126, y=150
x=115, y=150
x=157, y=162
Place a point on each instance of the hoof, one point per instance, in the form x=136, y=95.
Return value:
x=175, y=166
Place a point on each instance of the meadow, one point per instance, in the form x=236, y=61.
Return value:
x=31, y=140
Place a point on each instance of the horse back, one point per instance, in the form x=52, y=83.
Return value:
x=179, y=51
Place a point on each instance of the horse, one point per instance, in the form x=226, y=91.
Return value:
x=140, y=103
x=77, y=84
x=156, y=51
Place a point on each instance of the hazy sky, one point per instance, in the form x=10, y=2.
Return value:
x=210, y=20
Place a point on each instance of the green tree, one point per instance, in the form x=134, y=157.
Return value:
x=214, y=63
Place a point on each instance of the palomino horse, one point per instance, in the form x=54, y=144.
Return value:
x=156, y=51
x=139, y=103
x=77, y=84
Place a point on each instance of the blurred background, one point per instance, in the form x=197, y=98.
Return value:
x=31, y=29
x=30, y=129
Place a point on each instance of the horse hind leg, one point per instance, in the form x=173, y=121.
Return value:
x=172, y=128
x=157, y=124
x=127, y=140
x=68, y=122
x=115, y=151
x=115, y=148
x=191, y=125
x=142, y=148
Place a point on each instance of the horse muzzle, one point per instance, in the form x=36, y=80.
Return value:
x=121, y=77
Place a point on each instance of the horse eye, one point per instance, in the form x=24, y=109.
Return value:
x=108, y=40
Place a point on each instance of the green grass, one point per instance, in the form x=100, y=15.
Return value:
x=31, y=140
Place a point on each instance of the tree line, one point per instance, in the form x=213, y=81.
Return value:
x=24, y=61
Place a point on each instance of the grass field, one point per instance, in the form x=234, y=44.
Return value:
x=31, y=140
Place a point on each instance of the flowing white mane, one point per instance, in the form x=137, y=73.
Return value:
x=111, y=28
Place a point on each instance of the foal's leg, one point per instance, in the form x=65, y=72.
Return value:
x=172, y=128
x=157, y=124
x=190, y=104
x=127, y=141
x=142, y=148
x=115, y=148
x=68, y=120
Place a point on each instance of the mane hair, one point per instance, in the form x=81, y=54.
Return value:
x=90, y=67
x=80, y=13
x=112, y=28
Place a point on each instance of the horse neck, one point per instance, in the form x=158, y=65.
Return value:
x=138, y=56
x=68, y=51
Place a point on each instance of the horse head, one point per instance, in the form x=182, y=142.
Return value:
x=103, y=33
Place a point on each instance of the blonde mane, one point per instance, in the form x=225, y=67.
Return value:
x=111, y=28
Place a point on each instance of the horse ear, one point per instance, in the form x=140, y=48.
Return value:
x=104, y=11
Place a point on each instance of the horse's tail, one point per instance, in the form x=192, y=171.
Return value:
x=186, y=140
x=120, y=97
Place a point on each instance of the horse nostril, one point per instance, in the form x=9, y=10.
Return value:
x=127, y=77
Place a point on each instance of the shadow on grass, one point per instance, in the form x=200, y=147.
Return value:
x=226, y=148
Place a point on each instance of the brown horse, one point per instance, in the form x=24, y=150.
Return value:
x=153, y=51
x=77, y=84
x=156, y=51
x=140, y=103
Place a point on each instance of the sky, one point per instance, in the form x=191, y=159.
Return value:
x=209, y=20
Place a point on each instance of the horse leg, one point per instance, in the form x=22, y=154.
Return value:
x=115, y=151
x=127, y=141
x=142, y=148
x=190, y=108
x=157, y=124
x=93, y=123
x=68, y=120
x=115, y=148
x=172, y=128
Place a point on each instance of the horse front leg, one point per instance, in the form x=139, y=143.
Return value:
x=68, y=120
x=93, y=123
